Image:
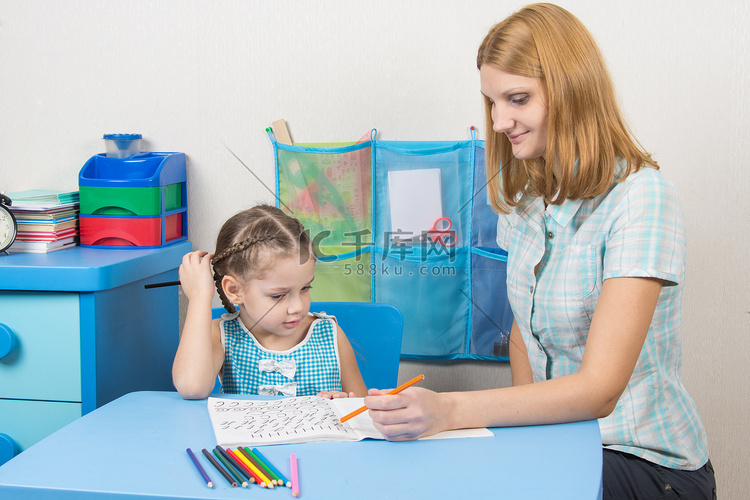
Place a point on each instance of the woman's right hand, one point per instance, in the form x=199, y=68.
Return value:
x=196, y=277
x=411, y=414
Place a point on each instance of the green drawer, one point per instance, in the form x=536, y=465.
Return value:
x=98, y=200
x=46, y=361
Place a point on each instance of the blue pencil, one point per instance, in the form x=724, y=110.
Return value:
x=272, y=468
x=202, y=472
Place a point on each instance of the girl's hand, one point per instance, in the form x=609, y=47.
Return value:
x=335, y=394
x=413, y=413
x=196, y=277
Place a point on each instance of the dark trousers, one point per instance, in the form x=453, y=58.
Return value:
x=627, y=477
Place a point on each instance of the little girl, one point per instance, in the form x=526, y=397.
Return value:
x=269, y=343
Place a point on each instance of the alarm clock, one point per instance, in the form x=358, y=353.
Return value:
x=8, y=224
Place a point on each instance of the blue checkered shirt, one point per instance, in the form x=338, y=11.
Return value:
x=635, y=229
x=316, y=361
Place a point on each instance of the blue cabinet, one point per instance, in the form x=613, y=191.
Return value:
x=77, y=330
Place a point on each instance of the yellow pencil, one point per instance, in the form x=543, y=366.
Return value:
x=266, y=483
x=394, y=391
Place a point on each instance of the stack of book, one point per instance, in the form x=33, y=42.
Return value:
x=47, y=220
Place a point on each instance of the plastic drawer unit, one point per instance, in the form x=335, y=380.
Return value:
x=77, y=330
x=139, y=201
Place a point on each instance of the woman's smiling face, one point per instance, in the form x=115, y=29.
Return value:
x=519, y=110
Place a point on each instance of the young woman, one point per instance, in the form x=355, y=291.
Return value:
x=596, y=264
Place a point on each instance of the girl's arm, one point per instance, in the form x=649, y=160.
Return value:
x=618, y=329
x=351, y=380
x=200, y=354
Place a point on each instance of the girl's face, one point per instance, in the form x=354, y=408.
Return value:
x=277, y=303
x=519, y=110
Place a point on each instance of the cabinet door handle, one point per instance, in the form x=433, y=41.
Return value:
x=7, y=340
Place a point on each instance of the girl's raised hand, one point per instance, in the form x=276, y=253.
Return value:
x=196, y=277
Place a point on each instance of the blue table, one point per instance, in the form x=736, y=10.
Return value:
x=135, y=447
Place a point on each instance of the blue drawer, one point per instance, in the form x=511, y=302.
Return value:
x=46, y=361
x=26, y=422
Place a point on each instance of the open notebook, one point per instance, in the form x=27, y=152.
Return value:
x=305, y=419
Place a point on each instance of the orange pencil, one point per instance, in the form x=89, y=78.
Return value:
x=394, y=391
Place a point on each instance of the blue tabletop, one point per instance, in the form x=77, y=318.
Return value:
x=135, y=447
x=82, y=269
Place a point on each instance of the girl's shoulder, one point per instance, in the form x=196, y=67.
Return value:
x=321, y=315
x=321, y=320
x=321, y=324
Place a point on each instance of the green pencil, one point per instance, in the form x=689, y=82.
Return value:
x=260, y=465
x=240, y=479
x=279, y=476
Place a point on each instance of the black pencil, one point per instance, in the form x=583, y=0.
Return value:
x=164, y=283
x=219, y=454
x=219, y=468
x=233, y=462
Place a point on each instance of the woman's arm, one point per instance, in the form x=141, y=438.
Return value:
x=520, y=369
x=621, y=321
x=200, y=354
x=351, y=380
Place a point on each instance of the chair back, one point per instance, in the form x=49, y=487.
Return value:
x=373, y=330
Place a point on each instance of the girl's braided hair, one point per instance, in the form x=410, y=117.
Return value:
x=251, y=240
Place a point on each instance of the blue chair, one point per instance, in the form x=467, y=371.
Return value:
x=374, y=331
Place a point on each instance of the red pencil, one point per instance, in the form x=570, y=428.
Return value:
x=256, y=478
x=394, y=391
x=257, y=468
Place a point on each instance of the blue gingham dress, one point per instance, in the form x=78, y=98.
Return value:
x=304, y=370
x=635, y=229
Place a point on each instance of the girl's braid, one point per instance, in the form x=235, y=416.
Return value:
x=240, y=246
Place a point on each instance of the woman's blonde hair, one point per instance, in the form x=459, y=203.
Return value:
x=251, y=240
x=584, y=120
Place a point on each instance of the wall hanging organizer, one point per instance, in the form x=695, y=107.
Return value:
x=406, y=223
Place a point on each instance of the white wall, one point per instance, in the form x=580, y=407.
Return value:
x=196, y=75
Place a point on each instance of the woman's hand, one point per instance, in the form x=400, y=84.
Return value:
x=413, y=413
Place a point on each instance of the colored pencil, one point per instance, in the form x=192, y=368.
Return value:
x=258, y=465
x=394, y=391
x=252, y=477
x=202, y=472
x=237, y=466
x=295, y=476
x=219, y=468
x=252, y=467
x=279, y=476
x=259, y=477
x=162, y=284
x=230, y=468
